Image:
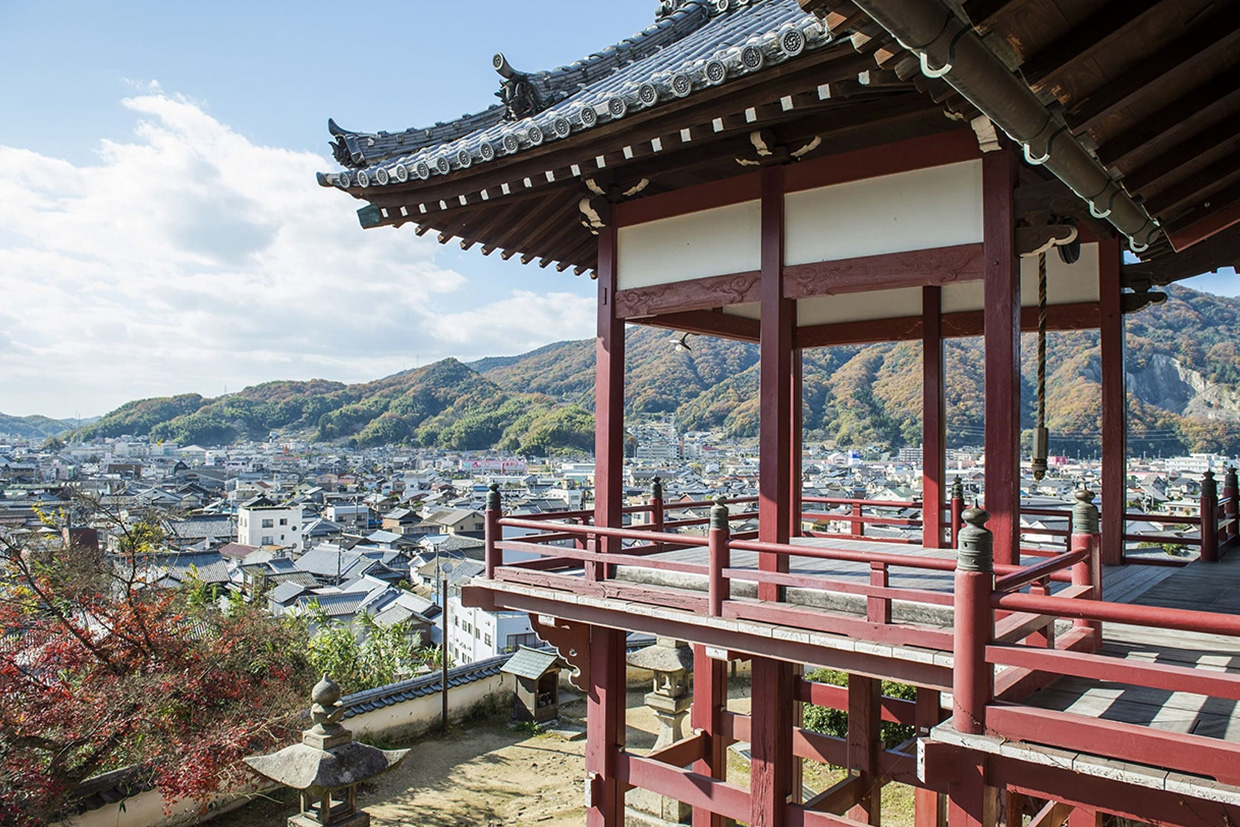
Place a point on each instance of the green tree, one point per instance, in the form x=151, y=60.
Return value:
x=365, y=655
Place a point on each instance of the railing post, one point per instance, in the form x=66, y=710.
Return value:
x=494, y=532
x=720, y=587
x=1088, y=572
x=1231, y=512
x=1209, y=518
x=656, y=509
x=972, y=680
x=858, y=527
x=878, y=609
x=957, y=510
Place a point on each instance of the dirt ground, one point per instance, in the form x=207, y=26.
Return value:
x=487, y=773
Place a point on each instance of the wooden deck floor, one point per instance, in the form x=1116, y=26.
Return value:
x=1201, y=586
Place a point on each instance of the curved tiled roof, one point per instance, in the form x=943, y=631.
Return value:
x=696, y=46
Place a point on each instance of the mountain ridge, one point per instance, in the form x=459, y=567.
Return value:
x=1183, y=379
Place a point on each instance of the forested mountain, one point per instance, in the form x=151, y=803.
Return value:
x=1183, y=379
x=36, y=427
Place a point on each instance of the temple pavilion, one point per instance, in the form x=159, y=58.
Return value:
x=830, y=172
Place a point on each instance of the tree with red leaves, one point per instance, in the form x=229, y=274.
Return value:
x=99, y=670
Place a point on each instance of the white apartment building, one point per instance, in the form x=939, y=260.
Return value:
x=476, y=634
x=261, y=522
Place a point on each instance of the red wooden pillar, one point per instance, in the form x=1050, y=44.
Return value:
x=798, y=448
x=1085, y=527
x=710, y=695
x=493, y=531
x=971, y=803
x=864, y=745
x=1114, y=403
x=1002, y=344
x=606, y=695
x=1084, y=817
x=934, y=420
x=771, y=771
x=775, y=415
x=1231, y=511
x=1209, y=518
x=928, y=805
x=957, y=509
x=972, y=679
x=605, y=727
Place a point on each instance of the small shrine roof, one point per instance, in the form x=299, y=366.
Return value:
x=530, y=663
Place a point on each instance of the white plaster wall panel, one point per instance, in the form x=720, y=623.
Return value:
x=1065, y=283
x=753, y=310
x=917, y=210
x=856, y=307
x=712, y=242
x=958, y=298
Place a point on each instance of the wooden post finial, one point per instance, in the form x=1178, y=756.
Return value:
x=1084, y=513
x=976, y=552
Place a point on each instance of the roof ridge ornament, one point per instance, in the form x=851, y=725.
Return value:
x=520, y=97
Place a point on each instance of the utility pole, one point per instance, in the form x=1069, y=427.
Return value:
x=443, y=650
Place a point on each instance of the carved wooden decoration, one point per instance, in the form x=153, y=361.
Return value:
x=917, y=268
x=698, y=294
x=571, y=642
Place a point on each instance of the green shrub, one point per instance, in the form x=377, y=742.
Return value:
x=835, y=721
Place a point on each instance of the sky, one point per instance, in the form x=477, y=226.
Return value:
x=161, y=229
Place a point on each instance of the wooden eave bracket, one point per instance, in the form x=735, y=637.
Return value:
x=571, y=641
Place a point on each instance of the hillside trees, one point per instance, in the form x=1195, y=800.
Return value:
x=99, y=672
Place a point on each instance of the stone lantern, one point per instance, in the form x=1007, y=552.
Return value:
x=671, y=661
x=327, y=765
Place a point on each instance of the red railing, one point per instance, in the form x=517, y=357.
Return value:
x=758, y=591
x=992, y=703
x=858, y=513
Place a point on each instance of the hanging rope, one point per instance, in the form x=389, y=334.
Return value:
x=1040, y=435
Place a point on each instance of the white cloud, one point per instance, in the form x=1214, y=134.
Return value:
x=521, y=322
x=189, y=258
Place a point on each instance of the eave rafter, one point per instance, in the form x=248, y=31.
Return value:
x=1149, y=88
x=708, y=148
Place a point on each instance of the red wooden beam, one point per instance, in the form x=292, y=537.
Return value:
x=887, y=159
x=934, y=419
x=856, y=333
x=1140, y=804
x=494, y=597
x=707, y=323
x=896, y=710
x=1198, y=231
x=1192, y=754
x=1002, y=344
x=1114, y=402
x=916, y=268
x=735, y=190
x=694, y=294
x=871, y=162
x=699, y=791
x=1118, y=670
x=685, y=751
